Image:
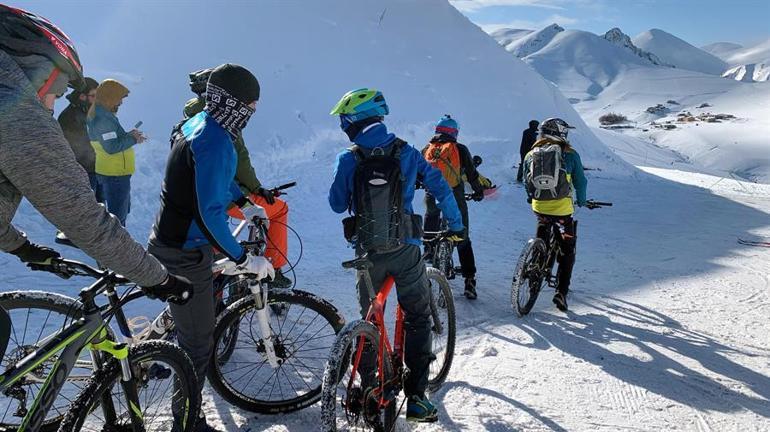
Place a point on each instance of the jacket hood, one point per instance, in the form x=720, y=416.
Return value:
x=108, y=95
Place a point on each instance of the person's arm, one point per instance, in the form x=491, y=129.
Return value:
x=38, y=162
x=340, y=191
x=110, y=134
x=210, y=161
x=245, y=173
x=438, y=187
x=469, y=169
x=579, y=180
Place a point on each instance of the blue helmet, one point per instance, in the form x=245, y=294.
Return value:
x=448, y=126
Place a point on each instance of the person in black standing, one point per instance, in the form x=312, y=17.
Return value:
x=528, y=138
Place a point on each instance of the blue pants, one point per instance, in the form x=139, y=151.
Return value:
x=95, y=187
x=116, y=191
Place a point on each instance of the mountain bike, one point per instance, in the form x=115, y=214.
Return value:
x=358, y=396
x=149, y=386
x=439, y=250
x=535, y=265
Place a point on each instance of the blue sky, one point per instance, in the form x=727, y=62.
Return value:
x=699, y=22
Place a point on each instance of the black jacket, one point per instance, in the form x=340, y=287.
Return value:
x=528, y=138
x=73, y=123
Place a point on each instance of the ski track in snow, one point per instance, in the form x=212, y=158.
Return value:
x=667, y=328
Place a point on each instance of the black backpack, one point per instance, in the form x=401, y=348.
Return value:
x=378, y=199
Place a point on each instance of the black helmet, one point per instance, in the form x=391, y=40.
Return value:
x=198, y=81
x=555, y=128
x=23, y=34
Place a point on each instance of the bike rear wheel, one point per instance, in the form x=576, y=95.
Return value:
x=443, y=327
x=35, y=315
x=528, y=276
x=303, y=335
x=350, y=402
x=164, y=378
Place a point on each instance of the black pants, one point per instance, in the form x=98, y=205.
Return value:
x=433, y=223
x=407, y=268
x=567, y=243
x=520, y=173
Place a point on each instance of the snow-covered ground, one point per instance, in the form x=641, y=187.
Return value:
x=668, y=324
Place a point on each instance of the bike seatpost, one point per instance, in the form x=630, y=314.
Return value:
x=367, y=278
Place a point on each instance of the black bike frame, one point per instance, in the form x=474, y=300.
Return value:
x=88, y=331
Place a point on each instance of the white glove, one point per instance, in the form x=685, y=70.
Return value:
x=253, y=212
x=254, y=264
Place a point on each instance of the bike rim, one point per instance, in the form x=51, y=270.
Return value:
x=302, y=339
x=440, y=341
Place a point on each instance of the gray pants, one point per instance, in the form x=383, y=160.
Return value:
x=195, y=320
x=407, y=268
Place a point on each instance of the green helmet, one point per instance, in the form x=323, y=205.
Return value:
x=361, y=104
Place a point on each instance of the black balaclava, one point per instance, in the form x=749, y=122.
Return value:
x=230, y=90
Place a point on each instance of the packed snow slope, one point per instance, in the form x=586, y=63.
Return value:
x=679, y=53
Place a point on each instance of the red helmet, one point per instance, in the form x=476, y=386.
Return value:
x=23, y=33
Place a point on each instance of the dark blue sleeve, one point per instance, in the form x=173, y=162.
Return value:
x=210, y=161
x=340, y=191
x=439, y=188
x=110, y=134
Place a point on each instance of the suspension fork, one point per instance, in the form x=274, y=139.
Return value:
x=263, y=318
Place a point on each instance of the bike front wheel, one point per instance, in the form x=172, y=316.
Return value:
x=164, y=379
x=353, y=385
x=528, y=276
x=443, y=326
x=302, y=334
x=35, y=316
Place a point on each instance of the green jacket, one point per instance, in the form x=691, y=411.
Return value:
x=244, y=175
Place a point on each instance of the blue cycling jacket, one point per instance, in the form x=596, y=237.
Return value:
x=412, y=164
x=198, y=187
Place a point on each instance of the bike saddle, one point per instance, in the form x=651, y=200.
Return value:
x=360, y=263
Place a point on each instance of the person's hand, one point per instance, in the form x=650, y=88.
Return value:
x=477, y=196
x=255, y=213
x=485, y=182
x=254, y=264
x=174, y=289
x=267, y=194
x=31, y=253
x=456, y=236
x=138, y=136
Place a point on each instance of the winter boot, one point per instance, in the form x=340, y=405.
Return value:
x=420, y=410
x=560, y=300
x=470, y=288
x=280, y=280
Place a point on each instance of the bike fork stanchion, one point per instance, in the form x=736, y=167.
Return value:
x=263, y=317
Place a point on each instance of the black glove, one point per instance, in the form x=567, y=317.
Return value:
x=477, y=196
x=267, y=194
x=31, y=253
x=456, y=236
x=174, y=289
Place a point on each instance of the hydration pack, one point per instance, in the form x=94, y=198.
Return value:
x=378, y=199
x=446, y=157
x=547, y=177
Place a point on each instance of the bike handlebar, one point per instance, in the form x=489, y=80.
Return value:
x=65, y=269
x=278, y=190
x=591, y=204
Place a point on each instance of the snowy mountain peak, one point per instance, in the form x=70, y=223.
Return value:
x=617, y=37
x=674, y=51
x=533, y=42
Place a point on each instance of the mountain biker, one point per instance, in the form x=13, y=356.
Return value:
x=361, y=113
x=455, y=162
x=528, y=138
x=558, y=211
x=197, y=189
x=37, y=61
x=276, y=208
